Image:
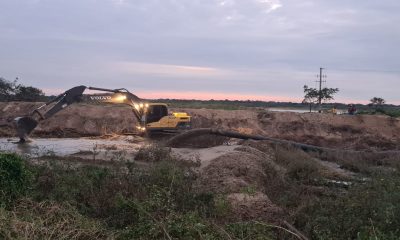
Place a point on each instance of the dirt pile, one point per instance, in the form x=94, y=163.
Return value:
x=241, y=175
x=233, y=172
x=75, y=121
x=326, y=130
x=244, y=121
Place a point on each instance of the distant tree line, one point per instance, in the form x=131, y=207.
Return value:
x=14, y=91
x=238, y=104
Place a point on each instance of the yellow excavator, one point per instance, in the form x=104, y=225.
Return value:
x=151, y=117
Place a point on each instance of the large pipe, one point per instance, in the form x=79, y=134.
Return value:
x=176, y=140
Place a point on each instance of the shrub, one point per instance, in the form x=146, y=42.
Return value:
x=249, y=230
x=368, y=211
x=15, y=178
x=48, y=220
x=153, y=153
x=362, y=162
x=299, y=165
x=120, y=197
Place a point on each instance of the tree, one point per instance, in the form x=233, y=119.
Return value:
x=7, y=89
x=377, y=102
x=30, y=94
x=11, y=91
x=311, y=95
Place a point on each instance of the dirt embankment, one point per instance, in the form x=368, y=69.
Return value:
x=75, y=121
x=327, y=130
x=342, y=131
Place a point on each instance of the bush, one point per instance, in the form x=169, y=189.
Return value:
x=48, y=220
x=12, y=91
x=368, y=211
x=157, y=201
x=122, y=198
x=250, y=230
x=153, y=153
x=299, y=165
x=15, y=178
x=390, y=113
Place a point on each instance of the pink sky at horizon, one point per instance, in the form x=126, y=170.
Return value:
x=218, y=96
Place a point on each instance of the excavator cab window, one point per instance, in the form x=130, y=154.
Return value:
x=156, y=112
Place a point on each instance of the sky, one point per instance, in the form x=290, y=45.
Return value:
x=205, y=49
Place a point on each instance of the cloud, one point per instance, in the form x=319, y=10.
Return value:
x=247, y=47
x=166, y=70
x=270, y=5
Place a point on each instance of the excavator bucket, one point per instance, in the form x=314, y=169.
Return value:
x=25, y=126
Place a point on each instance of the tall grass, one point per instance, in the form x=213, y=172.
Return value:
x=58, y=201
x=91, y=202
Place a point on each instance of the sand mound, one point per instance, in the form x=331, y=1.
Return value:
x=326, y=130
x=237, y=171
x=241, y=175
x=244, y=121
x=75, y=121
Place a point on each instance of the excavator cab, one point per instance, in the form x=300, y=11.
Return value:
x=158, y=118
x=155, y=112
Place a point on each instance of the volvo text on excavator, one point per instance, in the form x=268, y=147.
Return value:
x=151, y=117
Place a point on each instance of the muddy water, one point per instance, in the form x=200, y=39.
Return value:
x=67, y=146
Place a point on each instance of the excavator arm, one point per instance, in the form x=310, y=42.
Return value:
x=25, y=125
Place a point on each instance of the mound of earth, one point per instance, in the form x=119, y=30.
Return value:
x=241, y=175
x=238, y=170
x=326, y=130
x=75, y=121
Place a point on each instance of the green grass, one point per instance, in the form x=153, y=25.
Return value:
x=393, y=112
x=15, y=178
x=65, y=202
x=161, y=202
x=369, y=211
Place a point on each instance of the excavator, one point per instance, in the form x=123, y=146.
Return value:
x=151, y=117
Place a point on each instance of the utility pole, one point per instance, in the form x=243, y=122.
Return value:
x=320, y=89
